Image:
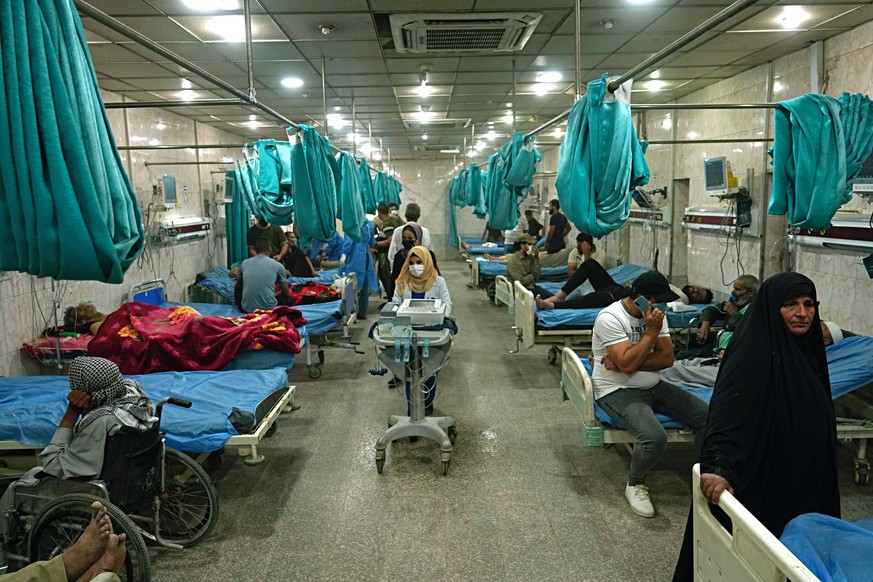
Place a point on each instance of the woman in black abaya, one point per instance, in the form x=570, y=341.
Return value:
x=770, y=436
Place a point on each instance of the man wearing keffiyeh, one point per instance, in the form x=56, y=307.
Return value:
x=105, y=401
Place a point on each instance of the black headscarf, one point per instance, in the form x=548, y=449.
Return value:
x=771, y=430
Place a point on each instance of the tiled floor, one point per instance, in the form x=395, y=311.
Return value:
x=523, y=500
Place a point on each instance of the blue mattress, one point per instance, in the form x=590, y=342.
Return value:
x=481, y=250
x=320, y=317
x=492, y=269
x=325, y=277
x=473, y=240
x=33, y=405
x=584, y=318
x=832, y=549
x=849, y=364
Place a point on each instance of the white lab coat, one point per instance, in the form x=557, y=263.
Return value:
x=397, y=240
x=438, y=291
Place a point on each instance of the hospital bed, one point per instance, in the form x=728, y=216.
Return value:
x=851, y=373
x=483, y=274
x=231, y=408
x=568, y=326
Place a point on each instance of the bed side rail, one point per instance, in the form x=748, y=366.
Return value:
x=751, y=553
x=503, y=293
x=577, y=386
x=524, y=317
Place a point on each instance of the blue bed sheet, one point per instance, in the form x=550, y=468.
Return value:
x=833, y=549
x=849, y=364
x=492, y=269
x=33, y=405
x=583, y=318
x=473, y=240
x=320, y=317
x=325, y=277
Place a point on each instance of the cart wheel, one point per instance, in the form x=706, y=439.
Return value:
x=491, y=290
x=453, y=434
x=445, y=468
x=380, y=464
x=320, y=356
x=315, y=371
x=553, y=355
x=862, y=473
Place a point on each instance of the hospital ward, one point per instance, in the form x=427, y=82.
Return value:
x=469, y=290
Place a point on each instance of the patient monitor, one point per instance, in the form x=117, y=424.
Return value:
x=719, y=178
x=423, y=311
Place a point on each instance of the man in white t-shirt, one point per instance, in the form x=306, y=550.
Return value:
x=630, y=347
x=412, y=213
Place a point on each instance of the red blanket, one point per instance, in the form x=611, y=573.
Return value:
x=144, y=338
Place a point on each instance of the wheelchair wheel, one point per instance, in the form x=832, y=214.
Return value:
x=65, y=518
x=189, y=504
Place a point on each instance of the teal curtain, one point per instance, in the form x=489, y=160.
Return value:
x=368, y=195
x=349, y=200
x=457, y=195
x=818, y=147
x=317, y=178
x=510, y=175
x=380, y=187
x=600, y=161
x=453, y=224
x=269, y=181
x=66, y=204
x=237, y=220
x=475, y=188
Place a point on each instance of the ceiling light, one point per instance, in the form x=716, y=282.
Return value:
x=607, y=24
x=337, y=108
x=667, y=123
x=226, y=159
x=252, y=117
x=253, y=124
x=638, y=1
x=377, y=156
x=212, y=4
x=655, y=85
x=558, y=132
x=549, y=77
x=792, y=16
x=656, y=74
x=154, y=142
x=508, y=119
x=542, y=88
x=187, y=95
x=490, y=135
x=160, y=126
x=424, y=90
x=229, y=28
x=186, y=84
x=336, y=121
x=692, y=135
x=778, y=87
x=292, y=82
x=451, y=151
x=480, y=145
x=424, y=136
x=471, y=153
x=326, y=29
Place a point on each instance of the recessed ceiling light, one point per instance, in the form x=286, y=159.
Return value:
x=692, y=135
x=160, y=126
x=778, y=87
x=229, y=28
x=542, y=88
x=424, y=136
x=638, y=1
x=667, y=123
x=154, y=142
x=337, y=108
x=253, y=124
x=253, y=117
x=424, y=90
x=656, y=74
x=212, y=4
x=187, y=95
x=792, y=16
x=558, y=132
x=549, y=77
x=655, y=85
x=490, y=135
x=508, y=118
x=292, y=82
x=186, y=84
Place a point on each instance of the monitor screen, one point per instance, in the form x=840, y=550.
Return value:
x=168, y=184
x=229, y=189
x=865, y=175
x=715, y=174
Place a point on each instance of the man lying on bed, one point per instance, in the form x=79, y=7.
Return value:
x=607, y=291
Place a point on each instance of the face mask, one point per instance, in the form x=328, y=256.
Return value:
x=529, y=251
x=395, y=212
x=408, y=244
x=292, y=242
x=739, y=300
x=416, y=270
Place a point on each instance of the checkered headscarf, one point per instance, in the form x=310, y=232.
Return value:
x=101, y=379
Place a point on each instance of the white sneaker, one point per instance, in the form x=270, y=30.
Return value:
x=638, y=498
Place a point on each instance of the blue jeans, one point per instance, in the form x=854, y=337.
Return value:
x=634, y=410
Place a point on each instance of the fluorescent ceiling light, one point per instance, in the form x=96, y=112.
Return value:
x=424, y=90
x=792, y=16
x=451, y=151
x=542, y=88
x=655, y=85
x=212, y=4
x=549, y=77
x=292, y=82
x=656, y=74
x=638, y=1
x=229, y=28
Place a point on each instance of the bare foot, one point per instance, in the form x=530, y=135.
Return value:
x=543, y=304
x=91, y=544
x=112, y=559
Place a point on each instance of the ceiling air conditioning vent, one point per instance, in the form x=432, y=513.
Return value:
x=419, y=124
x=462, y=33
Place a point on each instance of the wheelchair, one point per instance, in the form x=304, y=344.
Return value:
x=156, y=494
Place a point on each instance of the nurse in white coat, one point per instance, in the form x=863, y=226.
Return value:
x=418, y=279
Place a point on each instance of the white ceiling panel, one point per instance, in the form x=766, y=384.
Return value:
x=343, y=50
x=224, y=27
x=350, y=26
x=494, y=63
x=701, y=59
x=625, y=19
x=132, y=70
x=438, y=64
x=591, y=44
x=327, y=6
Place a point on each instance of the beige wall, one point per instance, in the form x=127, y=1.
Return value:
x=26, y=302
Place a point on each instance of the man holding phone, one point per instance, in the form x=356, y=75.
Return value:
x=631, y=343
